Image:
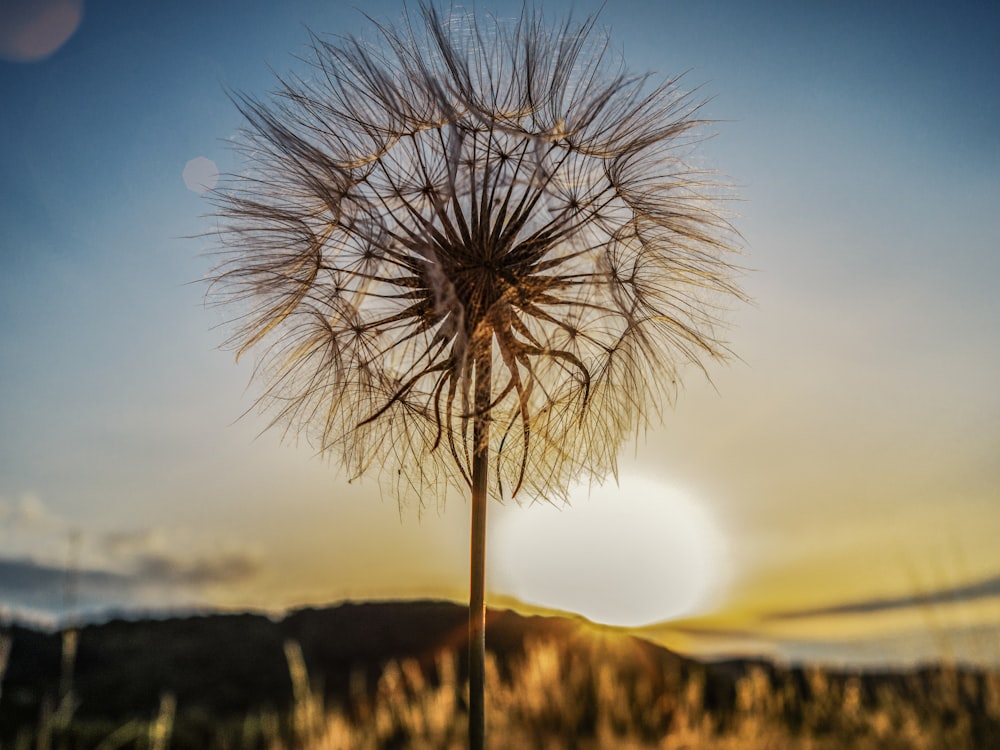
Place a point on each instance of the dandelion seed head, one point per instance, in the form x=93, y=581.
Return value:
x=461, y=187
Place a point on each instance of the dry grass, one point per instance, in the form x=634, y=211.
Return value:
x=586, y=694
x=561, y=698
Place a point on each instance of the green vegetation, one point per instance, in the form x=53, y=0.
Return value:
x=551, y=683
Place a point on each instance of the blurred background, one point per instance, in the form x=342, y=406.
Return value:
x=833, y=493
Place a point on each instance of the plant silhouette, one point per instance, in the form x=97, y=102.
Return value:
x=472, y=255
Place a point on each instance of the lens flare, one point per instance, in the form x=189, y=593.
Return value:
x=31, y=30
x=200, y=175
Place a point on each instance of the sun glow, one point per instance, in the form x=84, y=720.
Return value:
x=628, y=554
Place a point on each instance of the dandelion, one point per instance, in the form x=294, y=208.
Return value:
x=472, y=255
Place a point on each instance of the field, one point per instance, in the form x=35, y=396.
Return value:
x=550, y=685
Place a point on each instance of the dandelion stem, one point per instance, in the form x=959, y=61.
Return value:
x=477, y=553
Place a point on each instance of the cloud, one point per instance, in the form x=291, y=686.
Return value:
x=160, y=569
x=28, y=528
x=123, y=543
x=52, y=591
x=29, y=513
x=26, y=585
x=983, y=589
x=20, y=576
x=50, y=567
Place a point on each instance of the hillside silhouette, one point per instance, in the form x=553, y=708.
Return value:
x=229, y=665
x=562, y=680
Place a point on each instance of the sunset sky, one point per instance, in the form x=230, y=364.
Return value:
x=833, y=493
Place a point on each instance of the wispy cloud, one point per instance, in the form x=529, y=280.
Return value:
x=984, y=589
x=47, y=591
x=161, y=569
x=28, y=513
x=124, y=543
x=52, y=592
x=50, y=567
x=18, y=577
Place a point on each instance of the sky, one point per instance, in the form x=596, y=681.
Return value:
x=833, y=493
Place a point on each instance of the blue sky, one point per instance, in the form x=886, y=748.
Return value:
x=849, y=457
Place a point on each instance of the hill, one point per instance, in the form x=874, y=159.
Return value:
x=391, y=675
x=229, y=665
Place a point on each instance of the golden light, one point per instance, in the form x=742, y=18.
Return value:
x=628, y=554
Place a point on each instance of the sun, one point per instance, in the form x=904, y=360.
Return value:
x=629, y=554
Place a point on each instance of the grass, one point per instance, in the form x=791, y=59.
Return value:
x=588, y=692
